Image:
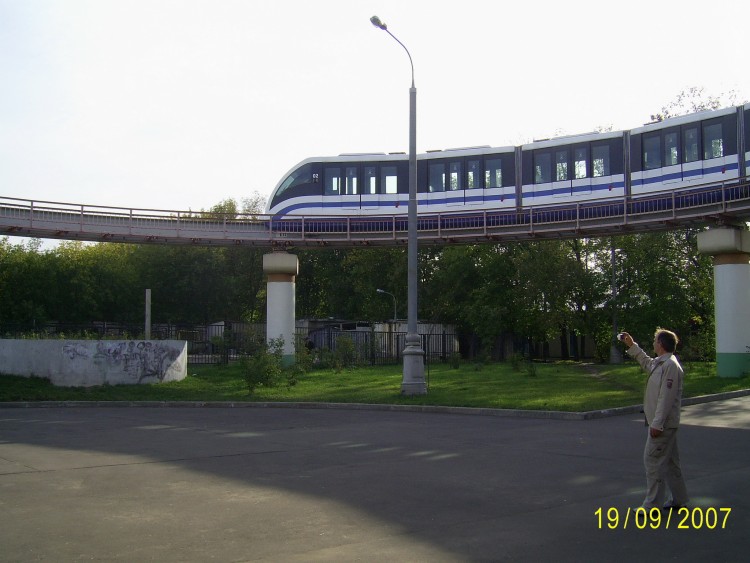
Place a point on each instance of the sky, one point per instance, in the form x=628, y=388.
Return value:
x=182, y=104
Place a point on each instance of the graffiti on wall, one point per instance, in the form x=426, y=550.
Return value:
x=74, y=351
x=138, y=360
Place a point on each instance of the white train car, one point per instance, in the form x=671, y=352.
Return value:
x=683, y=151
x=573, y=169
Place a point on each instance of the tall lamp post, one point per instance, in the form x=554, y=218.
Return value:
x=615, y=355
x=394, y=301
x=413, y=382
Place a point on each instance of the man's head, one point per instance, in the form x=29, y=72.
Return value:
x=665, y=341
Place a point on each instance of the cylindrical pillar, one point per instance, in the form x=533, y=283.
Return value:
x=730, y=249
x=281, y=269
x=147, y=327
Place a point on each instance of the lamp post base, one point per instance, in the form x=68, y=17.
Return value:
x=615, y=355
x=413, y=382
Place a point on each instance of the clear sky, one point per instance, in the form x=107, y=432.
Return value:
x=180, y=104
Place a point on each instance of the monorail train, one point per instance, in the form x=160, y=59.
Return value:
x=704, y=147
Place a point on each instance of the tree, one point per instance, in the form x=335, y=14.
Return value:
x=693, y=100
x=664, y=282
x=26, y=280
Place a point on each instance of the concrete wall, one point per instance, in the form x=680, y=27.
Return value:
x=84, y=363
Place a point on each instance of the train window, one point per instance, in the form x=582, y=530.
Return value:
x=454, y=176
x=371, y=180
x=652, y=151
x=600, y=160
x=542, y=167
x=300, y=176
x=350, y=181
x=690, y=145
x=671, y=158
x=713, y=143
x=561, y=165
x=389, y=179
x=493, y=173
x=581, y=163
x=436, y=177
x=332, y=181
x=473, y=174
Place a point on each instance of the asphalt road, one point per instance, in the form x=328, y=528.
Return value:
x=269, y=484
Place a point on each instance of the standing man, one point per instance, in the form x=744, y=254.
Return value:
x=661, y=403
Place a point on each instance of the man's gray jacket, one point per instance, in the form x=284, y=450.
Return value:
x=663, y=396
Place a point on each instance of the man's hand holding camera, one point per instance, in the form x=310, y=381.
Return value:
x=626, y=339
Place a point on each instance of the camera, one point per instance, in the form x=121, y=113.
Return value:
x=621, y=336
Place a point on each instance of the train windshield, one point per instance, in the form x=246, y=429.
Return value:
x=302, y=175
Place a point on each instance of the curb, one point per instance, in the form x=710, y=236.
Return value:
x=428, y=409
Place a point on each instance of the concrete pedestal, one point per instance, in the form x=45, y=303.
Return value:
x=281, y=269
x=413, y=382
x=730, y=249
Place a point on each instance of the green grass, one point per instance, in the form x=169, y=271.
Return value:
x=562, y=386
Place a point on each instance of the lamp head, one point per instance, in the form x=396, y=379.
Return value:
x=379, y=290
x=377, y=23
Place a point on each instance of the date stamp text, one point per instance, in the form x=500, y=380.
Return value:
x=697, y=518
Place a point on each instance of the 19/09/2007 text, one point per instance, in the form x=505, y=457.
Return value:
x=681, y=519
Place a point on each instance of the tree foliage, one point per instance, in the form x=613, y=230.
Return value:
x=535, y=291
x=692, y=100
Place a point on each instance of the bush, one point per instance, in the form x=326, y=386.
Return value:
x=344, y=356
x=455, y=360
x=516, y=361
x=265, y=369
x=304, y=357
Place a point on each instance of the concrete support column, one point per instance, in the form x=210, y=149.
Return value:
x=730, y=249
x=281, y=269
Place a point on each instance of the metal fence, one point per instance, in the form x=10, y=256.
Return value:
x=380, y=347
x=227, y=341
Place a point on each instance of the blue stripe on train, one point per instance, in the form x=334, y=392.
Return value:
x=401, y=208
x=687, y=174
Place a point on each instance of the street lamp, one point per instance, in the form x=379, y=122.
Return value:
x=615, y=355
x=413, y=382
x=394, y=301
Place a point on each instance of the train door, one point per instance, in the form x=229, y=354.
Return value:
x=542, y=188
x=455, y=184
x=350, y=188
x=389, y=185
x=370, y=199
x=436, y=182
x=672, y=170
x=332, y=183
x=606, y=166
x=581, y=182
x=692, y=167
x=341, y=189
x=652, y=161
x=718, y=157
x=562, y=185
x=474, y=194
x=497, y=185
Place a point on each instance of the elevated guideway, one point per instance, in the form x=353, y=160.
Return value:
x=714, y=204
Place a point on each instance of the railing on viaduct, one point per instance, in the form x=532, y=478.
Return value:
x=726, y=202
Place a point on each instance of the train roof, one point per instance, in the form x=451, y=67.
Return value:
x=573, y=139
x=682, y=119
